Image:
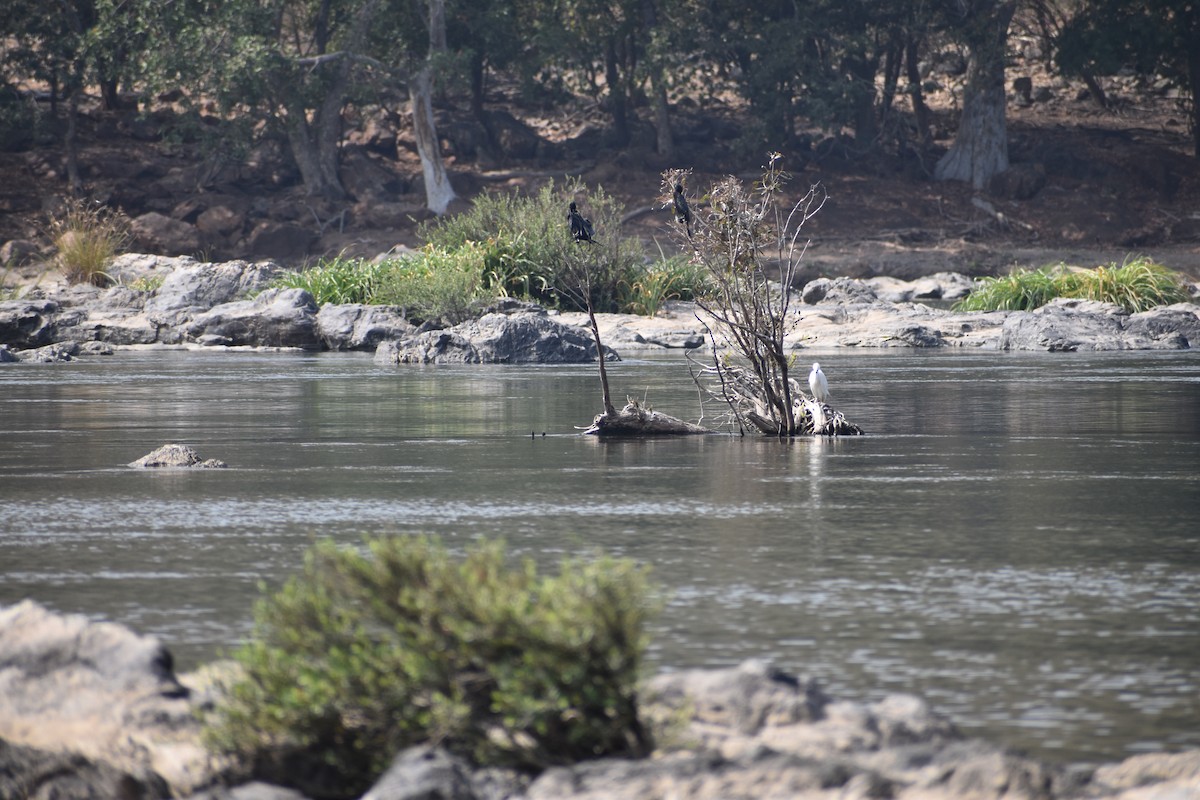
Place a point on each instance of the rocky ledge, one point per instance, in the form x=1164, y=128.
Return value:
x=94, y=710
x=182, y=302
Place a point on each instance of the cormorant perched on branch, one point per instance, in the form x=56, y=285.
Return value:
x=682, y=212
x=581, y=229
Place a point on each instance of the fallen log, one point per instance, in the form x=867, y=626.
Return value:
x=635, y=421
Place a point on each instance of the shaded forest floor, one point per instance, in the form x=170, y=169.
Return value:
x=1118, y=182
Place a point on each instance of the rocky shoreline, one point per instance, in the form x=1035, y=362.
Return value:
x=94, y=710
x=180, y=302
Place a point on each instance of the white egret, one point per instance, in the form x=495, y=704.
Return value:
x=818, y=385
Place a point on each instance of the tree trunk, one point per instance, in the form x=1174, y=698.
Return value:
x=318, y=167
x=606, y=395
x=616, y=96
x=665, y=144
x=438, y=191
x=72, y=143
x=862, y=69
x=665, y=141
x=1194, y=80
x=980, y=147
x=920, y=110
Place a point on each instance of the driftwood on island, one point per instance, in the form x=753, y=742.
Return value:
x=633, y=421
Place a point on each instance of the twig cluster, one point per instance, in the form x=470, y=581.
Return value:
x=735, y=235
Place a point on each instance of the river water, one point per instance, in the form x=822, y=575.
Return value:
x=1016, y=539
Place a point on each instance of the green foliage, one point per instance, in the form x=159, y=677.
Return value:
x=87, y=237
x=336, y=280
x=1017, y=291
x=646, y=289
x=530, y=233
x=435, y=283
x=365, y=653
x=1137, y=285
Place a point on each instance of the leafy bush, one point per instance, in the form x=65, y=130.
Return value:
x=1136, y=285
x=363, y=654
x=87, y=237
x=532, y=231
x=435, y=283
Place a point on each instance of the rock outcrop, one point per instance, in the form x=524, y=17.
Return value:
x=100, y=701
x=497, y=338
x=93, y=710
x=179, y=301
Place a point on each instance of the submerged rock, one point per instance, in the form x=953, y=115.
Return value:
x=176, y=455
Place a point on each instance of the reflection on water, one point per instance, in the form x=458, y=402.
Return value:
x=1015, y=539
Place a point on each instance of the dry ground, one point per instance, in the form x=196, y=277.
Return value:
x=1118, y=182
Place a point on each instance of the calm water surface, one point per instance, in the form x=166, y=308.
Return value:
x=1016, y=540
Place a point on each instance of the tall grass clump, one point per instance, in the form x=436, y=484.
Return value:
x=533, y=231
x=87, y=236
x=367, y=652
x=646, y=289
x=1018, y=291
x=1136, y=285
x=336, y=280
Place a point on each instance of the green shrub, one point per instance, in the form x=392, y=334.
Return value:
x=365, y=653
x=1136, y=285
x=434, y=283
x=532, y=231
x=87, y=237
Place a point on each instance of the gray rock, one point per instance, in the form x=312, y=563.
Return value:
x=424, y=773
x=28, y=323
x=220, y=220
x=176, y=455
x=158, y=233
x=354, y=326
x=521, y=338
x=26, y=772
x=837, y=290
x=745, y=698
x=50, y=354
x=7, y=356
x=1166, y=323
x=1066, y=326
x=129, y=267
x=256, y=790
x=275, y=318
x=69, y=685
x=193, y=289
x=18, y=252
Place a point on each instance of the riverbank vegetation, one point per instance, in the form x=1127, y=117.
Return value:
x=508, y=245
x=87, y=236
x=368, y=651
x=1136, y=285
